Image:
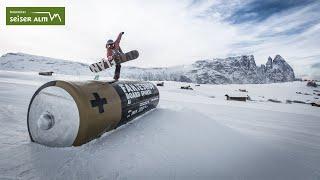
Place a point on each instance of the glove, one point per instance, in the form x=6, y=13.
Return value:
x=122, y=33
x=110, y=58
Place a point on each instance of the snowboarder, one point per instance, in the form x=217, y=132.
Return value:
x=113, y=49
x=115, y=56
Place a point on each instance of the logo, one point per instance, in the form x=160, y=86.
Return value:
x=35, y=16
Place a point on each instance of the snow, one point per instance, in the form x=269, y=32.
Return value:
x=193, y=134
x=231, y=70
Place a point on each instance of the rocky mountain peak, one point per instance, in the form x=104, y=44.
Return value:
x=269, y=63
x=239, y=69
x=278, y=70
x=278, y=58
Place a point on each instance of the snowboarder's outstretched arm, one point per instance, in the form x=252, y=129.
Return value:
x=117, y=42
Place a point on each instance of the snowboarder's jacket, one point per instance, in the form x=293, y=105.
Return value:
x=116, y=48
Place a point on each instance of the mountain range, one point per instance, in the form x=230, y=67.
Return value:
x=239, y=69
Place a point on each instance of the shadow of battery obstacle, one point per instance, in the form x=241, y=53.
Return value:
x=64, y=113
x=139, y=123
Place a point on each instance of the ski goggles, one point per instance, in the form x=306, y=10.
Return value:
x=110, y=45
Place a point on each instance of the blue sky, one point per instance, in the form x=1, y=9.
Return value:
x=290, y=28
x=260, y=10
x=175, y=32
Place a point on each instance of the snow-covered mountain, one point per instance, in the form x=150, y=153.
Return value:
x=240, y=69
x=27, y=62
x=277, y=70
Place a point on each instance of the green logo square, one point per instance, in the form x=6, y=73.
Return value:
x=35, y=15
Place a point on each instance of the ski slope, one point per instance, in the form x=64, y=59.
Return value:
x=191, y=135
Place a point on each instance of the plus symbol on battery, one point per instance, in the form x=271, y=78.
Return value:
x=98, y=102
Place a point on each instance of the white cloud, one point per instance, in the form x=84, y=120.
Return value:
x=165, y=32
x=301, y=49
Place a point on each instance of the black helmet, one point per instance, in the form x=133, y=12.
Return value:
x=110, y=42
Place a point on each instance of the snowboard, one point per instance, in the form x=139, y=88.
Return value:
x=117, y=59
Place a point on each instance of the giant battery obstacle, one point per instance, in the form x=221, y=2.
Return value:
x=63, y=113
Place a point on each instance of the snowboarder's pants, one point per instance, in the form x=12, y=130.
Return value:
x=117, y=72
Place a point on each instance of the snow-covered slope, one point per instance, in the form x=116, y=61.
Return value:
x=26, y=62
x=239, y=70
x=191, y=135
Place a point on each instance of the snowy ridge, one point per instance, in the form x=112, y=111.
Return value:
x=232, y=70
x=27, y=62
